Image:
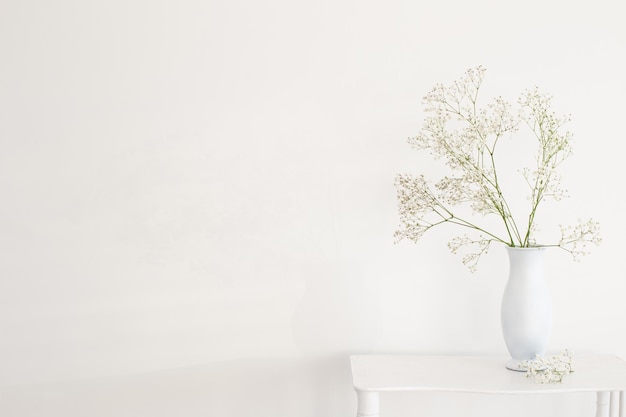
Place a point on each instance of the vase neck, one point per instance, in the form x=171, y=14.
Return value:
x=526, y=263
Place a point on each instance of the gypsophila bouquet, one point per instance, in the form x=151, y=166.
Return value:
x=549, y=370
x=467, y=138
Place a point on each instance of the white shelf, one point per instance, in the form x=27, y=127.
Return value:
x=374, y=374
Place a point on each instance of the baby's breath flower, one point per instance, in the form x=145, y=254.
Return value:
x=576, y=239
x=465, y=136
x=549, y=370
x=470, y=259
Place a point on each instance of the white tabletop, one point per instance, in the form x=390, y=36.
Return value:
x=481, y=374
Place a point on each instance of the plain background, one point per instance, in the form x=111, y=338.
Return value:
x=197, y=203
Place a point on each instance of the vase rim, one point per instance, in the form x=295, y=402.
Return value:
x=529, y=248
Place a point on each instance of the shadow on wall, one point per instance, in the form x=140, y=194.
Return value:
x=240, y=388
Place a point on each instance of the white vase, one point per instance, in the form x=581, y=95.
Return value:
x=526, y=306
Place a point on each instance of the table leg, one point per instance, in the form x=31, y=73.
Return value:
x=615, y=403
x=602, y=404
x=622, y=404
x=369, y=404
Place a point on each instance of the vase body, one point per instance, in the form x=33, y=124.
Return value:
x=526, y=306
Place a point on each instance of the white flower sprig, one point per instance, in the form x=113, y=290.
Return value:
x=549, y=370
x=467, y=137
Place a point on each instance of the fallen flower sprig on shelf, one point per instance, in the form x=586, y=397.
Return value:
x=550, y=370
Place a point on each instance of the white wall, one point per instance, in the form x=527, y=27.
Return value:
x=198, y=207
